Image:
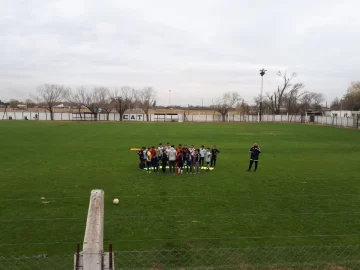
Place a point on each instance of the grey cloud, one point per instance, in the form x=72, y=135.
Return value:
x=197, y=48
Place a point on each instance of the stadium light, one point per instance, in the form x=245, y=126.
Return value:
x=262, y=73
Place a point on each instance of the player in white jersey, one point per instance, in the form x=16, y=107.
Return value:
x=192, y=150
x=160, y=150
x=202, y=153
x=208, y=158
x=168, y=148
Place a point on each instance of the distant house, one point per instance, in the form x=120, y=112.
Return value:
x=22, y=106
x=342, y=113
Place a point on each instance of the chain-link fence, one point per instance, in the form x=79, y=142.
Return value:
x=270, y=258
x=179, y=234
x=332, y=257
x=42, y=261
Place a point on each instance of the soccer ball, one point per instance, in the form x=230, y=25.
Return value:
x=115, y=201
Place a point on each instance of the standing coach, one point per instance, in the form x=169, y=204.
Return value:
x=254, y=156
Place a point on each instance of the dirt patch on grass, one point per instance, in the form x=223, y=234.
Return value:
x=158, y=266
x=336, y=267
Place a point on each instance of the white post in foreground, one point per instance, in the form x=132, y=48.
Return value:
x=92, y=256
x=94, y=233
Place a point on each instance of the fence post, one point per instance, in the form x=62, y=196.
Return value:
x=92, y=255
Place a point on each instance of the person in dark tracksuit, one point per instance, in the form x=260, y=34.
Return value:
x=254, y=156
x=179, y=162
x=155, y=163
x=189, y=162
x=164, y=160
x=141, y=157
x=197, y=161
x=214, y=153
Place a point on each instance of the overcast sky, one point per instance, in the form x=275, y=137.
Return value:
x=198, y=49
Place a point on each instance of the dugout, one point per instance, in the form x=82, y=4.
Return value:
x=166, y=117
x=312, y=115
x=84, y=116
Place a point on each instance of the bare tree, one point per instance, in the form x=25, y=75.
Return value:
x=123, y=99
x=30, y=103
x=13, y=103
x=146, y=98
x=78, y=98
x=91, y=101
x=52, y=94
x=242, y=108
x=225, y=103
x=335, y=104
x=318, y=99
x=291, y=101
x=104, y=100
x=276, y=99
x=312, y=101
x=266, y=104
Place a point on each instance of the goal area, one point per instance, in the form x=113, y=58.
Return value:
x=166, y=117
x=84, y=116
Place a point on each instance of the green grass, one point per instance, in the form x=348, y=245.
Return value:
x=306, y=190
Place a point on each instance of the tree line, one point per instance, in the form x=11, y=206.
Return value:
x=97, y=99
x=289, y=97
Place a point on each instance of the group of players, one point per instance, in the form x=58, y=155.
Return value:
x=177, y=159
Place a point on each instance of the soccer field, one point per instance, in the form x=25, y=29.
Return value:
x=305, y=192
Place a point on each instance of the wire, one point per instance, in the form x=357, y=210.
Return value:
x=197, y=239
x=193, y=215
x=289, y=196
x=243, y=237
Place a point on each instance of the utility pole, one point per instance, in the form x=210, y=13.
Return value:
x=262, y=73
x=169, y=97
x=341, y=102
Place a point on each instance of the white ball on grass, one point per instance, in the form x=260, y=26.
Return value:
x=115, y=201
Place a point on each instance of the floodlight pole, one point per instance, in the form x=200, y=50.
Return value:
x=262, y=73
